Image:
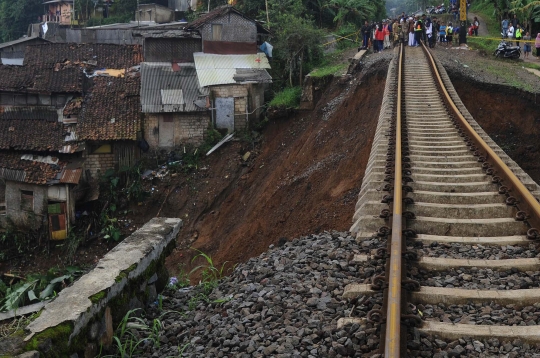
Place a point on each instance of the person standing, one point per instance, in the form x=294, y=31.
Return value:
x=510, y=34
x=442, y=34
x=537, y=45
x=379, y=37
x=366, y=31
x=411, y=33
x=395, y=32
x=515, y=21
x=518, y=34
x=386, y=30
x=418, y=31
x=429, y=33
x=526, y=45
x=476, y=25
x=449, y=34
x=504, y=25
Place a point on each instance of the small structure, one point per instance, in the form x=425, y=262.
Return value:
x=230, y=66
x=59, y=11
x=169, y=89
x=227, y=31
x=237, y=84
x=154, y=12
x=12, y=52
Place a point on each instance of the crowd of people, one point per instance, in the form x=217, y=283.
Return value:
x=513, y=31
x=410, y=31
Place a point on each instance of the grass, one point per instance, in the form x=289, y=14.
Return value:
x=508, y=77
x=288, y=98
x=479, y=43
x=534, y=66
x=329, y=70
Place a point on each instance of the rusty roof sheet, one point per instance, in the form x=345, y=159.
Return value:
x=71, y=176
x=111, y=111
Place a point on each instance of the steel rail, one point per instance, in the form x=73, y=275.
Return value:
x=528, y=202
x=393, y=324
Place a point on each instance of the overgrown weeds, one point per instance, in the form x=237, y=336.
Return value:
x=287, y=98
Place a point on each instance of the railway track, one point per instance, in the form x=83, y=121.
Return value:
x=454, y=225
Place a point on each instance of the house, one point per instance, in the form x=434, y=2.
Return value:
x=12, y=52
x=230, y=65
x=154, y=12
x=170, y=88
x=59, y=11
x=68, y=113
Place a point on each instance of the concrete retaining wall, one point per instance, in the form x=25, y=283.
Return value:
x=82, y=316
x=366, y=218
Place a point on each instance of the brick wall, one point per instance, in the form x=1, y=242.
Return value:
x=235, y=28
x=188, y=128
x=13, y=203
x=99, y=163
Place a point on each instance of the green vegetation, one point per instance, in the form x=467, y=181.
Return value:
x=35, y=287
x=483, y=44
x=508, y=77
x=329, y=70
x=287, y=98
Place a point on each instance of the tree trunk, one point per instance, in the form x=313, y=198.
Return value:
x=301, y=61
x=290, y=72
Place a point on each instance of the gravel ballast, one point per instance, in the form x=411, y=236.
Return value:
x=475, y=252
x=284, y=303
x=477, y=279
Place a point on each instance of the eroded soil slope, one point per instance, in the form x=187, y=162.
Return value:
x=511, y=117
x=305, y=178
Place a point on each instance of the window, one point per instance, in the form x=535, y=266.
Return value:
x=27, y=200
x=216, y=32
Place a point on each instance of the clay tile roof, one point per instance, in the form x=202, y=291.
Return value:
x=71, y=54
x=58, y=67
x=111, y=111
x=13, y=78
x=12, y=167
x=30, y=129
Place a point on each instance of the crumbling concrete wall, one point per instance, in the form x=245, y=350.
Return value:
x=82, y=316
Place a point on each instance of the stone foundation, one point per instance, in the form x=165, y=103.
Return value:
x=82, y=316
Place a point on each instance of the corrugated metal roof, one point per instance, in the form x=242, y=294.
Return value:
x=221, y=69
x=12, y=174
x=71, y=176
x=172, y=96
x=249, y=75
x=158, y=76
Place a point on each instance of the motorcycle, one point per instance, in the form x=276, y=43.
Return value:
x=506, y=51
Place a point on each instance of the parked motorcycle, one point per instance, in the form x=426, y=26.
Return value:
x=506, y=51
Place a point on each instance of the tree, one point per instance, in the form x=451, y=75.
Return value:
x=296, y=38
x=15, y=16
x=352, y=11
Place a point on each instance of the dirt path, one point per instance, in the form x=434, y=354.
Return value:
x=482, y=29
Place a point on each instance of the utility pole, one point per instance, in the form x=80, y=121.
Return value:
x=463, y=20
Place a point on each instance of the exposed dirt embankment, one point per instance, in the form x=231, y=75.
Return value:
x=510, y=116
x=305, y=178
